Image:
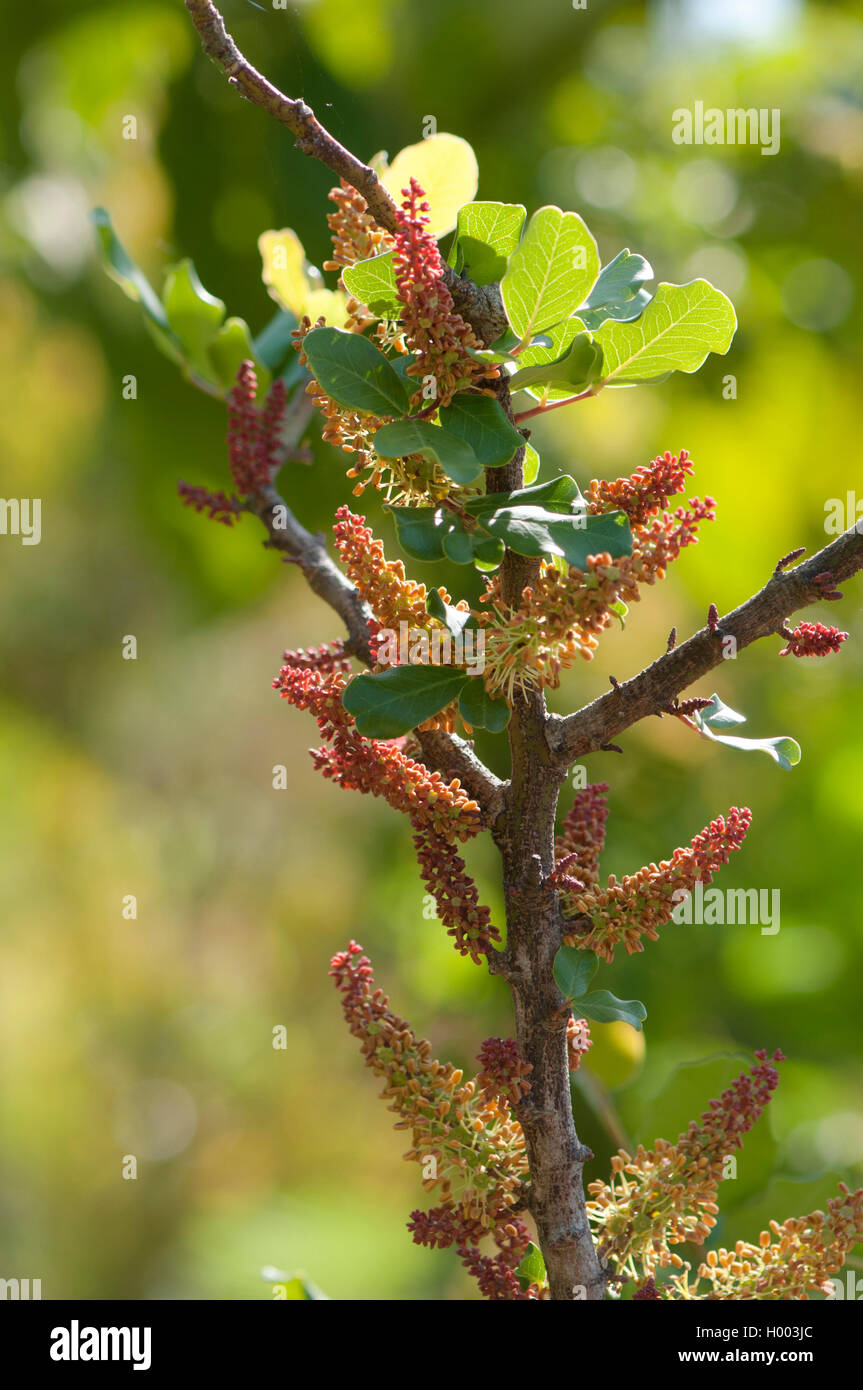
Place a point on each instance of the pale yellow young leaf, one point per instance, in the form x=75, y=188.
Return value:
x=284, y=269
x=445, y=165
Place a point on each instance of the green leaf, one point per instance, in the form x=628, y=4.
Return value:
x=532, y=1267
x=536, y=532
x=550, y=271
x=458, y=546
x=783, y=750
x=391, y=703
x=455, y=620
x=421, y=530
x=488, y=553
x=231, y=346
x=404, y=437
x=478, y=709
x=618, y=293
x=574, y=970
x=603, y=1007
x=354, y=372
x=561, y=494
x=373, y=283
x=679, y=327
x=485, y=236
x=482, y=424
x=193, y=313
x=578, y=368
x=125, y=272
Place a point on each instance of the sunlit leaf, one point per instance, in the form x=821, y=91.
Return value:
x=550, y=271
x=446, y=168
x=679, y=327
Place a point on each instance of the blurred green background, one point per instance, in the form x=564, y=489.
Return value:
x=154, y=777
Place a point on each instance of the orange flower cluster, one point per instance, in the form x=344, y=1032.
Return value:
x=790, y=1261
x=583, y=831
x=561, y=616
x=392, y=597
x=433, y=330
x=667, y=1195
x=356, y=235
x=344, y=429
x=642, y=902
x=645, y=492
x=468, y=1142
x=373, y=766
x=440, y=812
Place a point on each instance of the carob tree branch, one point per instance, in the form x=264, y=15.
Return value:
x=480, y=306
x=523, y=810
x=654, y=690
x=556, y=1155
x=445, y=753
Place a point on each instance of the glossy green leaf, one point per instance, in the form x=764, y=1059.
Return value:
x=783, y=750
x=561, y=494
x=420, y=530
x=488, y=553
x=549, y=273
x=478, y=709
x=373, y=283
x=481, y=423
x=574, y=970
x=577, y=369
x=404, y=437
x=619, y=292
x=603, y=1007
x=486, y=235
x=124, y=271
x=193, y=313
x=537, y=532
x=354, y=372
x=675, y=333
x=231, y=346
x=391, y=703
x=454, y=619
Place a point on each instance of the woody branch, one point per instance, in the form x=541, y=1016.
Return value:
x=481, y=306
x=654, y=690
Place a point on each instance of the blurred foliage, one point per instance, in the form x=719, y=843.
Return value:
x=153, y=777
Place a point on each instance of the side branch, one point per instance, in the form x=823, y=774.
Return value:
x=481, y=306
x=653, y=691
x=311, y=137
